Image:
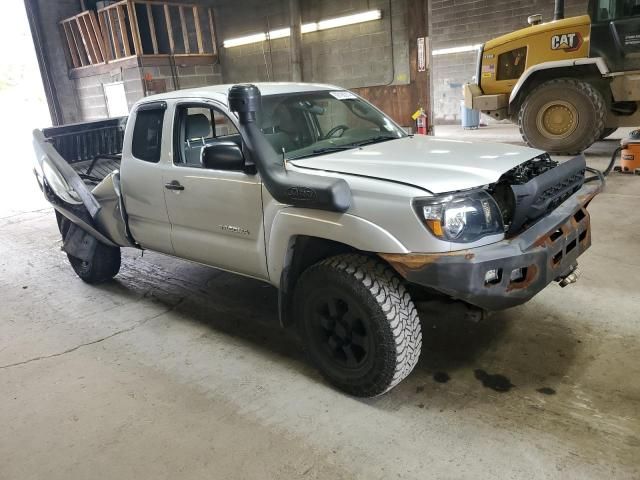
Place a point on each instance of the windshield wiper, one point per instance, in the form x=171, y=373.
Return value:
x=378, y=139
x=331, y=149
x=335, y=148
x=348, y=146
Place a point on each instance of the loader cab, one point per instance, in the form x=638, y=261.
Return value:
x=615, y=33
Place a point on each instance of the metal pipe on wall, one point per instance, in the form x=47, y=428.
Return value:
x=558, y=13
x=295, y=48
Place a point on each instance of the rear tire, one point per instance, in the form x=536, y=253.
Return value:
x=103, y=266
x=358, y=323
x=563, y=116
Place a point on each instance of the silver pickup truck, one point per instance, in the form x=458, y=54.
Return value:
x=315, y=191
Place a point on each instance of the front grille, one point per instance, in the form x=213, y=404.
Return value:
x=527, y=171
x=555, y=195
x=532, y=190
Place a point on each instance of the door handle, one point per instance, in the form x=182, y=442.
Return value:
x=173, y=185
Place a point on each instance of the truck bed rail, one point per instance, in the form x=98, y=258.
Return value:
x=93, y=149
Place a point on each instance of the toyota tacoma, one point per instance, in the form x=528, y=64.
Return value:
x=314, y=190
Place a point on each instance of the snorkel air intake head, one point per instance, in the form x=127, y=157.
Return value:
x=246, y=101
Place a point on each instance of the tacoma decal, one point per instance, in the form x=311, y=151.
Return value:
x=569, y=42
x=234, y=229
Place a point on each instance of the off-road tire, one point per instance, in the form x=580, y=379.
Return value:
x=104, y=265
x=591, y=112
x=608, y=132
x=389, y=319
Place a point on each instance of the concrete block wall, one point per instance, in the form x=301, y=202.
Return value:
x=83, y=98
x=90, y=92
x=187, y=76
x=468, y=22
x=353, y=56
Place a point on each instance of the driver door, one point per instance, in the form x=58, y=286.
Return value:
x=215, y=215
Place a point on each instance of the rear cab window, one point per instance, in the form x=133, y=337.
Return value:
x=147, y=132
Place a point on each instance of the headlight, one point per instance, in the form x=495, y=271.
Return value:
x=461, y=218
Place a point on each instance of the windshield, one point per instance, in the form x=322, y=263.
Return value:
x=314, y=123
x=617, y=9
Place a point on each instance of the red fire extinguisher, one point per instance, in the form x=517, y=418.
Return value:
x=422, y=122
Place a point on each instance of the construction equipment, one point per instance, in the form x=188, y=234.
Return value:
x=566, y=83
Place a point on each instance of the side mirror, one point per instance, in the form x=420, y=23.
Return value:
x=222, y=156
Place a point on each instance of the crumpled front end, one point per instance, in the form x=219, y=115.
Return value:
x=510, y=272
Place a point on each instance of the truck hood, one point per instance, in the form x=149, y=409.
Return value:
x=435, y=165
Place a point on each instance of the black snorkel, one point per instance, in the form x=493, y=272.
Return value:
x=292, y=188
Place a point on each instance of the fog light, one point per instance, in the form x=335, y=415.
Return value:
x=493, y=276
x=517, y=275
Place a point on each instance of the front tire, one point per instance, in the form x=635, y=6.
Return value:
x=563, y=116
x=358, y=323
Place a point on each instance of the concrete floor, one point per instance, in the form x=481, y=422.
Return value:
x=175, y=370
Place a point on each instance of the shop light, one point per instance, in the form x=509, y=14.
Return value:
x=350, y=19
x=463, y=49
x=280, y=33
x=306, y=28
x=236, y=42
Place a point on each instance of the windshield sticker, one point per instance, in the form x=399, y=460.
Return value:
x=343, y=95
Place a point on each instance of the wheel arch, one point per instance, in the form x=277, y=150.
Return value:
x=299, y=240
x=589, y=69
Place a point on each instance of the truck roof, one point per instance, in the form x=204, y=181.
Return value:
x=219, y=92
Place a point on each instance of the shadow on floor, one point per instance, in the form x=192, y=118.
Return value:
x=530, y=348
x=525, y=350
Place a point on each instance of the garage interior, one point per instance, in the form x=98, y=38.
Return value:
x=177, y=370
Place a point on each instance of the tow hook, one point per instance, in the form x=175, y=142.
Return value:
x=570, y=277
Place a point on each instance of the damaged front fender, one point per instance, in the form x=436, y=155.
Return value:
x=510, y=272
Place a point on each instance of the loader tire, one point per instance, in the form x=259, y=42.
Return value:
x=358, y=324
x=104, y=265
x=563, y=116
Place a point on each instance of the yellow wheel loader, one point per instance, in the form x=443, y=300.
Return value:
x=567, y=83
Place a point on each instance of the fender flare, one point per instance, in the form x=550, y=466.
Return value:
x=348, y=229
x=598, y=62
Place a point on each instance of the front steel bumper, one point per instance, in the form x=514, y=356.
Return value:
x=547, y=251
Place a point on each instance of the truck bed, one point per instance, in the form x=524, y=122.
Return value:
x=93, y=149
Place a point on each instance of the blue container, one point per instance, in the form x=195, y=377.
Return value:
x=470, y=118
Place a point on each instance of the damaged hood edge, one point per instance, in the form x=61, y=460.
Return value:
x=436, y=165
